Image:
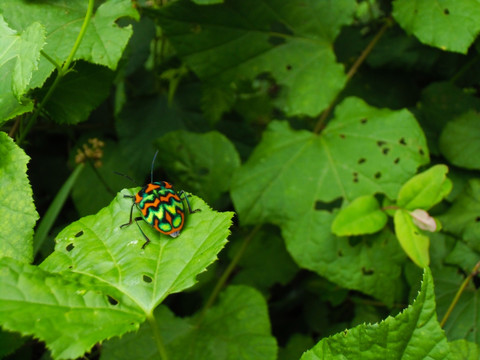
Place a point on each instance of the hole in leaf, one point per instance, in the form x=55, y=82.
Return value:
x=385, y=151
x=367, y=271
x=402, y=141
x=69, y=247
x=396, y=161
x=364, y=121
x=446, y=12
x=378, y=175
x=147, y=279
x=80, y=233
x=111, y=300
x=380, y=143
x=361, y=160
x=322, y=205
x=342, y=136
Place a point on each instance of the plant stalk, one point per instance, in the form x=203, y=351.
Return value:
x=157, y=336
x=54, y=209
x=61, y=72
x=226, y=274
x=460, y=291
x=353, y=70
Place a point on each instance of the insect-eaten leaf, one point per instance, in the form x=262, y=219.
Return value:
x=413, y=242
x=361, y=216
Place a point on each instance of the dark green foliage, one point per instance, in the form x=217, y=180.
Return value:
x=332, y=148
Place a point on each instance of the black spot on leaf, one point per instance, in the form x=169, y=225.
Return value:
x=402, y=141
x=420, y=151
x=477, y=219
x=147, y=279
x=378, y=175
x=367, y=271
x=340, y=253
x=80, y=233
x=111, y=300
x=380, y=143
x=289, y=67
x=385, y=151
x=396, y=161
x=446, y=11
x=363, y=121
x=69, y=247
x=361, y=160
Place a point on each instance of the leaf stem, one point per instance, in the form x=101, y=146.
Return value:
x=54, y=209
x=226, y=274
x=157, y=336
x=61, y=71
x=460, y=291
x=353, y=70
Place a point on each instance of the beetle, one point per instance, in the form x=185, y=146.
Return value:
x=160, y=206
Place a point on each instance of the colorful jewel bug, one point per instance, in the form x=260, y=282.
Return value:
x=160, y=206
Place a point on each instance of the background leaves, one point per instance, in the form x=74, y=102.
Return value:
x=336, y=130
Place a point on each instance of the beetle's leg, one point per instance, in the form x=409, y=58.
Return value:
x=185, y=196
x=147, y=240
x=131, y=212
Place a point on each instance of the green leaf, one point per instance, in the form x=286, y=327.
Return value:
x=460, y=141
x=243, y=39
x=65, y=311
x=18, y=215
x=236, y=328
x=412, y=334
x=79, y=93
x=462, y=219
x=201, y=163
x=426, y=189
x=464, y=350
x=362, y=216
x=18, y=60
x=104, y=40
x=411, y=238
x=292, y=175
x=96, y=246
x=450, y=25
x=265, y=262
x=463, y=322
x=207, y=2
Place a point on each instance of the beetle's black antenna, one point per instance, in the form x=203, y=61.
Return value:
x=151, y=171
x=126, y=176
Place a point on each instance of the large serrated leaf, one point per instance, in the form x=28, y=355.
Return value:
x=18, y=215
x=104, y=40
x=242, y=39
x=292, y=174
x=99, y=282
x=236, y=328
x=413, y=334
x=70, y=313
x=448, y=24
x=96, y=246
x=18, y=60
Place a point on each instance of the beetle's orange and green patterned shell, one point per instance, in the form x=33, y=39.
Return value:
x=161, y=207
